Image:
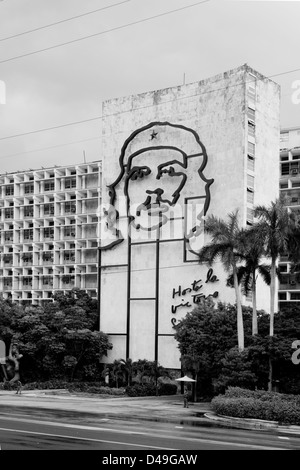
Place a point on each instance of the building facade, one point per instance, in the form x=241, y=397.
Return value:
x=48, y=231
x=289, y=287
x=170, y=158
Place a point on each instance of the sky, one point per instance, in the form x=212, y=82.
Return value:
x=60, y=59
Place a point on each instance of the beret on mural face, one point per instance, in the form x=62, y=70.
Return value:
x=162, y=134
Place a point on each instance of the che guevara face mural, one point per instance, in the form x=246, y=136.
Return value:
x=157, y=164
x=153, y=185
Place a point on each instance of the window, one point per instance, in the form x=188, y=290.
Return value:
x=28, y=234
x=249, y=214
x=283, y=268
x=9, y=191
x=7, y=258
x=250, y=163
x=47, y=281
x=284, y=137
x=251, y=129
x=295, y=295
x=251, y=149
x=49, y=186
x=282, y=295
x=250, y=181
x=27, y=257
x=48, y=232
x=8, y=236
x=296, y=184
x=28, y=211
x=7, y=282
x=48, y=209
x=47, y=256
x=251, y=85
x=294, y=168
x=251, y=114
x=285, y=169
x=70, y=183
x=70, y=207
x=9, y=213
x=29, y=188
x=250, y=196
x=69, y=231
x=27, y=281
x=69, y=256
x=284, y=185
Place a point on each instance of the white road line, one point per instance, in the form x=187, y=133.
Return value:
x=206, y=441
x=86, y=439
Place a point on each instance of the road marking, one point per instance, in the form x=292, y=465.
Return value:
x=281, y=437
x=86, y=439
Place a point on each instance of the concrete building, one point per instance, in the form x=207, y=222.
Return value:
x=48, y=231
x=171, y=157
x=289, y=288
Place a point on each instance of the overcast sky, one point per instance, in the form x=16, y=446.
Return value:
x=134, y=47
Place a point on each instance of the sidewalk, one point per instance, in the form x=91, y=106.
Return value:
x=168, y=409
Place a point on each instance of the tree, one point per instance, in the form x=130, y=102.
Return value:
x=127, y=366
x=55, y=342
x=252, y=252
x=225, y=244
x=273, y=229
x=204, y=336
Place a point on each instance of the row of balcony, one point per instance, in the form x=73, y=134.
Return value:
x=60, y=284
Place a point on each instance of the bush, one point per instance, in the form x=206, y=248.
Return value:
x=167, y=389
x=141, y=390
x=84, y=387
x=258, y=404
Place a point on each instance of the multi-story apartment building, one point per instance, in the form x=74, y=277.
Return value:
x=289, y=287
x=48, y=231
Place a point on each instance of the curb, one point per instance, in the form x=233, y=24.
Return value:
x=251, y=423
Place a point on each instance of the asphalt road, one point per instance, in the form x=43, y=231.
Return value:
x=24, y=432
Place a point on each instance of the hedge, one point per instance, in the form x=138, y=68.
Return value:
x=258, y=404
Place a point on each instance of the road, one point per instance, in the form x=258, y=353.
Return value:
x=21, y=431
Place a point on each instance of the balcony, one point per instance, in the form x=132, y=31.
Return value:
x=295, y=152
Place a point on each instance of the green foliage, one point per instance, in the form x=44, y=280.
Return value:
x=123, y=371
x=236, y=370
x=58, y=341
x=207, y=342
x=258, y=404
x=167, y=389
x=141, y=390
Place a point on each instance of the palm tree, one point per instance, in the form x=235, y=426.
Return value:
x=252, y=254
x=226, y=245
x=273, y=229
x=127, y=366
